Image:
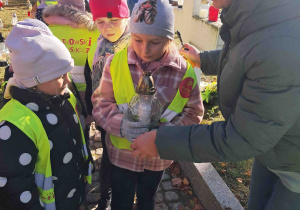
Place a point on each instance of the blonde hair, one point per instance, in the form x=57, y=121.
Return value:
x=171, y=48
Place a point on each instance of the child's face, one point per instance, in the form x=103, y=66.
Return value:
x=146, y=5
x=149, y=47
x=111, y=28
x=56, y=86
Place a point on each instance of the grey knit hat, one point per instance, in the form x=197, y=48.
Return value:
x=154, y=17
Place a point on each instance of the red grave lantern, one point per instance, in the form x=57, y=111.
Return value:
x=213, y=14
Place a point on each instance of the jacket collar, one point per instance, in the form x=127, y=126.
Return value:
x=27, y=96
x=245, y=17
x=171, y=59
x=60, y=14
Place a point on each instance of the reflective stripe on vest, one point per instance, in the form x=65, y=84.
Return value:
x=91, y=55
x=47, y=2
x=123, y=88
x=3, y=86
x=78, y=77
x=72, y=100
x=79, y=42
x=182, y=96
x=29, y=123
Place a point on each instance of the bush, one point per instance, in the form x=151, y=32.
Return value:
x=209, y=95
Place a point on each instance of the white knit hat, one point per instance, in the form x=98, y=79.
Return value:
x=37, y=55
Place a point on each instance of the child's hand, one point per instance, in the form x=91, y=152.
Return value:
x=130, y=130
x=192, y=55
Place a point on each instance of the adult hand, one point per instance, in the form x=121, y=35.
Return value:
x=192, y=55
x=144, y=145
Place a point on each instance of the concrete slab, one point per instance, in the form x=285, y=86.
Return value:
x=205, y=178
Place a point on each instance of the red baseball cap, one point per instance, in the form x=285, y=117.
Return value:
x=109, y=8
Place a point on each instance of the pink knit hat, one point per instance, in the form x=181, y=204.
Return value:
x=37, y=55
x=80, y=4
x=109, y=8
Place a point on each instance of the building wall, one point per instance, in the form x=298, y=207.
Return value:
x=202, y=33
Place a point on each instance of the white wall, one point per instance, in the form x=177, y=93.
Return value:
x=202, y=33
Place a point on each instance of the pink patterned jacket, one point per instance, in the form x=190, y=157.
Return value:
x=167, y=74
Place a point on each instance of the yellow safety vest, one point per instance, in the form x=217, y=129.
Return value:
x=123, y=88
x=3, y=86
x=47, y=2
x=79, y=42
x=29, y=123
x=91, y=55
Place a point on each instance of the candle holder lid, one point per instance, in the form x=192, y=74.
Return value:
x=146, y=85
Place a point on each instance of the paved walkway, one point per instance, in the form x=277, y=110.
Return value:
x=168, y=198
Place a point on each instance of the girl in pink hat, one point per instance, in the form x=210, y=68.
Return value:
x=111, y=18
x=75, y=27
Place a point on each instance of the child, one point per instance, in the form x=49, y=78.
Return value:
x=69, y=22
x=44, y=159
x=39, y=7
x=75, y=27
x=150, y=51
x=111, y=20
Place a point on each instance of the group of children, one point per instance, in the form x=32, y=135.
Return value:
x=126, y=46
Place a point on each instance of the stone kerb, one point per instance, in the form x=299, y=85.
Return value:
x=209, y=187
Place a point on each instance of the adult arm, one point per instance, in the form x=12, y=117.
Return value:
x=266, y=109
x=208, y=61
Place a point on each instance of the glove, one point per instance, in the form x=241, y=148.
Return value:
x=130, y=130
